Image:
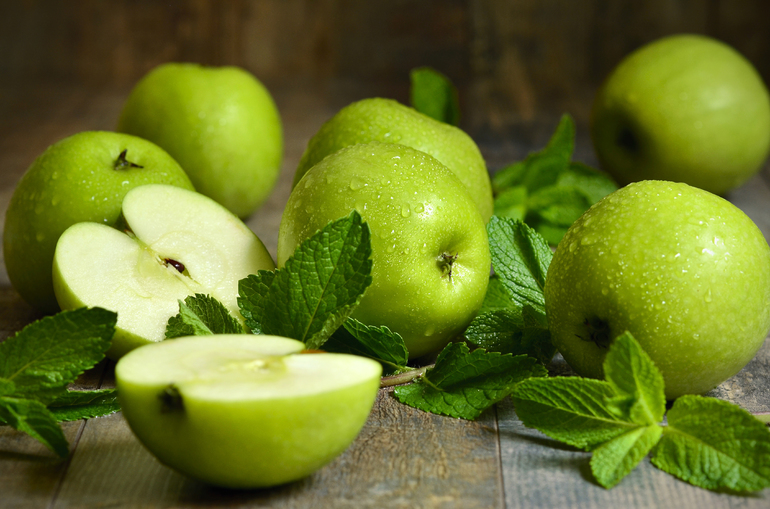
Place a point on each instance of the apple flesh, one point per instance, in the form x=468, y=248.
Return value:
x=220, y=123
x=430, y=254
x=178, y=243
x=388, y=121
x=685, y=108
x=244, y=411
x=81, y=178
x=686, y=272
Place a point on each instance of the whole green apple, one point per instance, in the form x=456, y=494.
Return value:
x=430, y=254
x=388, y=121
x=174, y=243
x=244, y=411
x=81, y=178
x=221, y=124
x=685, y=271
x=685, y=108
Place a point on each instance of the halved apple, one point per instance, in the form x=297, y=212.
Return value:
x=176, y=243
x=244, y=411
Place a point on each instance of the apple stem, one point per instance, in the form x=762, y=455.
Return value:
x=122, y=163
x=405, y=377
x=445, y=261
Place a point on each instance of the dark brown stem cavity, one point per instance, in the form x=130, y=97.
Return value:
x=445, y=261
x=122, y=163
x=171, y=400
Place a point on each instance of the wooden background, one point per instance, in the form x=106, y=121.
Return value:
x=514, y=61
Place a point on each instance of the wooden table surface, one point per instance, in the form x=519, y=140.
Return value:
x=403, y=458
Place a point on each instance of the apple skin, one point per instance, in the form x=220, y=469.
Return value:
x=95, y=265
x=74, y=180
x=685, y=271
x=417, y=211
x=245, y=426
x=684, y=108
x=388, y=121
x=220, y=123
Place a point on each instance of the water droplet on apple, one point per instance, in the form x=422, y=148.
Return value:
x=419, y=208
x=405, y=211
x=391, y=248
x=40, y=237
x=356, y=184
x=707, y=297
x=572, y=247
x=605, y=291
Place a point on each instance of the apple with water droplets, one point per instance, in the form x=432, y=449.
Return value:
x=173, y=243
x=430, y=253
x=685, y=271
x=244, y=411
x=81, y=178
x=386, y=120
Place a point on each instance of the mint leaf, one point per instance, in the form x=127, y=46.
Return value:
x=617, y=458
x=558, y=205
x=540, y=169
x=317, y=289
x=512, y=203
x=7, y=387
x=594, y=184
x=251, y=298
x=34, y=419
x=433, y=94
x=714, y=444
x=378, y=343
x=75, y=405
x=520, y=331
x=201, y=315
x=497, y=297
x=571, y=410
x=464, y=383
x=520, y=258
x=48, y=354
x=637, y=382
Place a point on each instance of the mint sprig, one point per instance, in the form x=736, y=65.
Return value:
x=707, y=442
x=201, y=315
x=316, y=290
x=76, y=405
x=464, y=383
x=547, y=190
x=378, y=343
x=433, y=94
x=38, y=363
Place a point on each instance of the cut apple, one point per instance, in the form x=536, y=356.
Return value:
x=244, y=411
x=177, y=243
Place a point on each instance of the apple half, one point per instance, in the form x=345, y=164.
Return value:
x=244, y=411
x=176, y=243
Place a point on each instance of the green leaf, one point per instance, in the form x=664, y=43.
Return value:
x=75, y=405
x=463, y=383
x=558, y=206
x=378, y=343
x=48, y=354
x=637, y=382
x=497, y=297
x=543, y=168
x=617, y=458
x=512, y=203
x=594, y=184
x=317, y=289
x=512, y=331
x=433, y=94
x=7, y=387
x=251, y=298
x=715, y=445
x=202, y=315
x=520, y=258
x=571, y=410
x=32, y=418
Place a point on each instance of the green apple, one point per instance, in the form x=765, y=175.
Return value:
x=245, y=411
x=685, y=108
x=430, y=255
x=81, y=178
x=388, y=121
x=685, y=271
x=221, y=124
x=177, y=243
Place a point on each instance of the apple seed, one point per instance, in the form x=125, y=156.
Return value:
x=177, y=265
